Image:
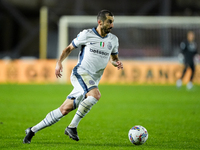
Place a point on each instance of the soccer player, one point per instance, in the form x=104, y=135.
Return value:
x=188, y=52
x=98, y=46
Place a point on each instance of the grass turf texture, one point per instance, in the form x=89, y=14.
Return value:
x=171, y=116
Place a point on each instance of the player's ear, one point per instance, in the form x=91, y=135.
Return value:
x=100, y=22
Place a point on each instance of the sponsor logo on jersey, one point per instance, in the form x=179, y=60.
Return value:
x=99, y=52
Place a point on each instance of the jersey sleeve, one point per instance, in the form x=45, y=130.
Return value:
x=80, y=39
x=115, y=49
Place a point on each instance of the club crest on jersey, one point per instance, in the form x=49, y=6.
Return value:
x=109, y=45
x=102, y=44
x=91, y=82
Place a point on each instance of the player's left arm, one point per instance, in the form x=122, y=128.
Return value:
x=115, y=61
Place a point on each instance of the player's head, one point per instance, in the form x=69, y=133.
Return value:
x=190, y=36
x=105, y=19
x=102, y=15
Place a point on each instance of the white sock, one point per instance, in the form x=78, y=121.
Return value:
x=51, y=118
x=83, y=108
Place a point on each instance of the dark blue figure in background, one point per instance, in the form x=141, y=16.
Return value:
x=188, y=53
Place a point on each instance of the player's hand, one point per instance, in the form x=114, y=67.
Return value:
x=118, y=64
x=58, y=70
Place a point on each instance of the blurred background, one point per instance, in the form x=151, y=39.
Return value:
x=21, y=27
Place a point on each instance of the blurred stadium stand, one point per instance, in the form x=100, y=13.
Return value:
x=19, y=20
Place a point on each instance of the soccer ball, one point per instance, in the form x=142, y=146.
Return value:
x=138, y=135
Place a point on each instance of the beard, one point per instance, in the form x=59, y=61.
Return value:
x=106, y=30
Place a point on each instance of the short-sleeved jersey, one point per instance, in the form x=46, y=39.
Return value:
x=95, y=51
x=189, y=49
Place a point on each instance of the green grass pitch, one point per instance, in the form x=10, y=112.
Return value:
x=171, y=116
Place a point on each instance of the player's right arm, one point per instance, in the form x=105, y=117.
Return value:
x=64, y=54
x=79, y=40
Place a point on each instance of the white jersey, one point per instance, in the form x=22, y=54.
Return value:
x=95, y=52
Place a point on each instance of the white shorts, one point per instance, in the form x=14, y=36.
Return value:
x=82, y=83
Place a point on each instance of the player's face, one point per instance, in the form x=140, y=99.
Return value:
x=190, y=36
x=108, y=24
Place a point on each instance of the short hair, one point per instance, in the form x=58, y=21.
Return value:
x=103, y=13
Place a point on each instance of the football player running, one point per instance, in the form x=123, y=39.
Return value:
x=98, y=46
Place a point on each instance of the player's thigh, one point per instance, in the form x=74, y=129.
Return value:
x=77, y=94
x=91, y=87
x=84, y=85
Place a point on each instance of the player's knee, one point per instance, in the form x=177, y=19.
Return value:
x=66, y=107
x=98, y=96
x=65, y=110
x=95, y=93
